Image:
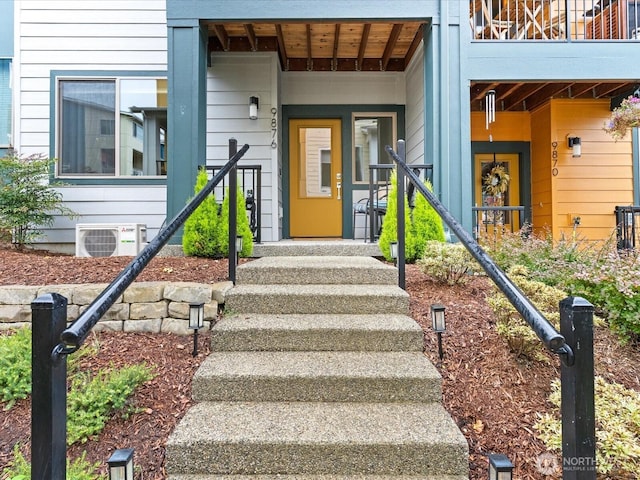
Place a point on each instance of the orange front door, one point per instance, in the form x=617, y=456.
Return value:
x=315, y=184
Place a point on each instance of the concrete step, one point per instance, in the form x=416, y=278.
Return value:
x=315, y=248
x=317, y=270
x=317, y=377
x=299, y=438
x=317, y=477
x=312, y=299
x=316, y=332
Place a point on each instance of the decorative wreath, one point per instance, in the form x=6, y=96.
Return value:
x=496, y=181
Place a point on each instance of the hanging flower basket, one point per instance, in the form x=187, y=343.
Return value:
x=624, y=117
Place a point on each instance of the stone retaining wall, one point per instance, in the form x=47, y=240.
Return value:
x=144, y=307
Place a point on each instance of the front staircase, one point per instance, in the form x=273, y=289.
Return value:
x=317, y=371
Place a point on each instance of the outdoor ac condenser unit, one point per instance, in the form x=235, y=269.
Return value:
x=110, y=239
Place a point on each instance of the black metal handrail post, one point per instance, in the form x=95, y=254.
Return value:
x=233, y=211
x=549, y=336
x=578, y=392
x=400, y=211
x=49, y=389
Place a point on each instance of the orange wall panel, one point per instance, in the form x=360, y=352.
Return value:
x=589, y=186
x=541, y=167
x=509, y=126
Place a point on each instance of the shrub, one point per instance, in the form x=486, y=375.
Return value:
x=447, y=263
x=612, y=283
x=78, y=469
x=617, y=428
x=519, y=336
x=201, y=229
x=27, y=199
x=15, y=366
x=421, y=225
x=243, y=228
x=426, y=224
x=92, y=399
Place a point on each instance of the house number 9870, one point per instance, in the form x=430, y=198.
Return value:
x=554, y=159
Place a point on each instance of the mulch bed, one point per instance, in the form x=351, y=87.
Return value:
x=493, y=396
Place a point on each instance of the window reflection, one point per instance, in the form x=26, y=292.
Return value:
x=371, y=134
x=96, y=141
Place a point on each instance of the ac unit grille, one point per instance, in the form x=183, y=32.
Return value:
x=100, y=243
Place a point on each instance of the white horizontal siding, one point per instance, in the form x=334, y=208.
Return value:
x=86, y=35
x=105, y=204
x=414, y=112
x=343, y=88
x=231, y=80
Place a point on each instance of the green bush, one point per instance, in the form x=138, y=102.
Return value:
x=201, y=229
x=243, y=228
x=548, y=261
x=611, y=281
x=15, y=366
x=421, y=225
x=27, y=199
x=78, y=469
x=92, y=399
x=617, y=428
x=447, y=262
x=519, y=336
x=206, y=231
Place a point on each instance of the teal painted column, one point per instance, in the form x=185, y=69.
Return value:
x=447, y=118
x=186, y=122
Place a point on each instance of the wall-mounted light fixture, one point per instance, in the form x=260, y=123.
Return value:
x=121, y=464
x=438, y=324
x=254, y=104
x=500, y=467
x=575, y=143
x=196, y=322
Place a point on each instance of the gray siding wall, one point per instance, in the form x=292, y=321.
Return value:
x=231, y=80
x=85, y=36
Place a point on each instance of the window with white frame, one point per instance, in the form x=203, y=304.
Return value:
x=5, y=102
x=113, y=127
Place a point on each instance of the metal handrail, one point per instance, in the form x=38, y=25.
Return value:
x=74, y=336
x=546, y=332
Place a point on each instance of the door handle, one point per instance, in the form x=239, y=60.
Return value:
x=339, y=187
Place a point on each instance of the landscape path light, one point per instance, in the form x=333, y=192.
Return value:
x=121, y=464
x=196, y=322
x=438, y=324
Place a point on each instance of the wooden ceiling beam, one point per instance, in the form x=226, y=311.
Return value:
x=579, y=89
x=363, y=44
x=221, y=33
x=391, y=43
x=413, y=47
x=251, y=35
x=309, y=52
x=604, y=89
x=336, y=40
x=549, y=91
x=282, y=48
x=479, y=90
x=515, y=100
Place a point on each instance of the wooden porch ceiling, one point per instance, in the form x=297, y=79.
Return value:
x=519, y=96
x=344, y=46
x=382, y=46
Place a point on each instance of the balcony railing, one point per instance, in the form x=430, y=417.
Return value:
x=555, y=19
